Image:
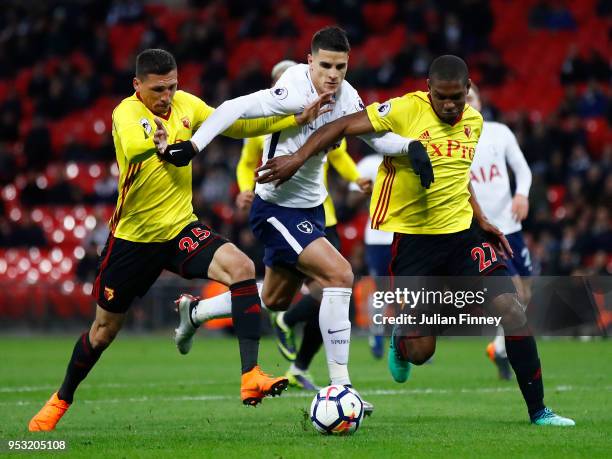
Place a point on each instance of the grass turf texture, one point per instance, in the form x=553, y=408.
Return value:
x=143, y=399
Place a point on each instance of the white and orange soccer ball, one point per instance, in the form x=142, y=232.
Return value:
x=336, y=410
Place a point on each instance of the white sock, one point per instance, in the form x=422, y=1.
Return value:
x=500, y=343
x=217, y=307
x=336, y=332
x=295, y=370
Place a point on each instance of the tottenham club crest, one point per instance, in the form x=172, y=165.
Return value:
x=280, y=93
x=384, y=109
x=305, y=227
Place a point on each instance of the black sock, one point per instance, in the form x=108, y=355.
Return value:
x=246, y=314
x=84, y=357
x=523, y=356
x=302, y=311
x=311, y=343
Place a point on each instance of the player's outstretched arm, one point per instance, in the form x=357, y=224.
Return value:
x=259, y=104
x=282, y=168
x=253, y=127
x=493, y=233
x=391, y=144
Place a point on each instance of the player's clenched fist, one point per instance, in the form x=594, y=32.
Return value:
x=279, y=169
x=179, y=154
x=421, y=163
x=245, y=199
x=365, y=185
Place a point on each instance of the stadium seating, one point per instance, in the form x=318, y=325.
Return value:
x=532, y=85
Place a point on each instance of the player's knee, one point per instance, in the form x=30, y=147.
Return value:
x=242, y=268
x=525, y=294
x=102, y=337
x=419, y=351
x=421, y=354
x=523, y=291
x=275, y=307
x=104, y=330
x=341, y=276
x=511, y=310
x=275, y=302
x=420, y=357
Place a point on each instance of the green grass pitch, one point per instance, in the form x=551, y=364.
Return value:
x=143, y=399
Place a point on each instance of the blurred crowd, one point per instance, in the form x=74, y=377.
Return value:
x=67, y=49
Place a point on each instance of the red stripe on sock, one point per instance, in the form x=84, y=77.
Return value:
x=538, y=374
x=244, y=294
x=245, y=291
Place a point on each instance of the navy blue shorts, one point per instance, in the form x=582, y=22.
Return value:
x=378, y=258
x=520, y=264
x=285, y=231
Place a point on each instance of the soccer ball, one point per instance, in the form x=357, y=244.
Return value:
x=336, y=410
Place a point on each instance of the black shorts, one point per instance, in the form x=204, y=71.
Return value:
x=128, y=269
x=466, y=253
x=438, y=263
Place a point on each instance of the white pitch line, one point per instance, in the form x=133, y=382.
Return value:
x=12, y=389
x=376, y=392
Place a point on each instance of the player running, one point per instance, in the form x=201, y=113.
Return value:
x=289, y=218
x=154, y=228
x=306, y=310
x=491, y=183
x=433, y=227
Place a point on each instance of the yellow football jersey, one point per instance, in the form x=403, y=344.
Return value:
x=154, y=202
x=250, y=156
x=339, y=158
x=399, y=203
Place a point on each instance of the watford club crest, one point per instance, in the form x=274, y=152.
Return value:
x=186, y=122
x=109, y=293
x=468, y=131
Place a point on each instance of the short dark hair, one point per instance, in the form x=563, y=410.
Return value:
x=449, y=68
x=155, y=61
x=331, y=38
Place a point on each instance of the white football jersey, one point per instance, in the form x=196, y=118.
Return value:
x=306, y=188
x=368, y=168
x=489, y=175
x=291, y=94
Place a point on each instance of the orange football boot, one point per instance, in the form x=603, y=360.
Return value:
x=49, y=415
x=491, y=351
x=504, y=370
x=256, y=385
